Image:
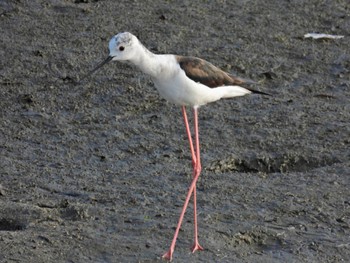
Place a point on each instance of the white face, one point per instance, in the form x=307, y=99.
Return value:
x=122, y=46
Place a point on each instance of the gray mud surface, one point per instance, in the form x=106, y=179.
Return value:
x=98, y=172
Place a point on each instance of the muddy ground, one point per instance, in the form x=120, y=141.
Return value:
x=98, y=172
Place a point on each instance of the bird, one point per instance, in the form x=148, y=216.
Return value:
x=185, y=81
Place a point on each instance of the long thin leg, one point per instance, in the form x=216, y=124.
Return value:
x=169, y=254
x=197, y=171
x=193, y=154
x=194, y=166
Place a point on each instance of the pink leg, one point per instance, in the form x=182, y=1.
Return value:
x=189, y=137
x=196, y=171
x=194, y=165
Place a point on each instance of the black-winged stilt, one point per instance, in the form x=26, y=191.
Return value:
x=185, y=81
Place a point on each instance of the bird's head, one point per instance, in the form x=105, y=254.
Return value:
x=123, y=46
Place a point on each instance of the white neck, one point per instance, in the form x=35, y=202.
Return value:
x=146, y=61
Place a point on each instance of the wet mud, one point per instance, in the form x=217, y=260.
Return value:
x=97, y=172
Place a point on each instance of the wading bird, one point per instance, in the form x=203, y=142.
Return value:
x=185, y=81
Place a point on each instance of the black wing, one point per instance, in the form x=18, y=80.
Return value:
x=206, y=73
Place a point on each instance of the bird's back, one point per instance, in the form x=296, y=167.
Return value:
x=206, y=73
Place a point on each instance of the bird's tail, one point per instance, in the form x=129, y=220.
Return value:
x=246, y=83
x=233, y=91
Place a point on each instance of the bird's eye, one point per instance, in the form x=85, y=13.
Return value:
x=121, y=48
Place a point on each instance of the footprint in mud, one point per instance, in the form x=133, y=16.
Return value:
x=271, y=164
x=7, y=224
x=74, y=213
x=14, y=217
x=261, y=241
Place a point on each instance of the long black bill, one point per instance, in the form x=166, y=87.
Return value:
x=108, y=59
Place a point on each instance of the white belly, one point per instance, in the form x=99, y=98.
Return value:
x=185, y=92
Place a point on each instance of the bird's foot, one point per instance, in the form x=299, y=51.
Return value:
x=196, y=247
x=168, y=255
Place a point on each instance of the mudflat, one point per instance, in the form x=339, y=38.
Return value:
x=97, y=172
